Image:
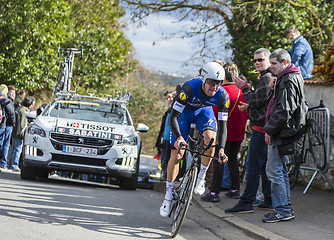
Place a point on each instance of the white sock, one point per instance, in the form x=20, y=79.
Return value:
x=169, y=190
x=202, y=171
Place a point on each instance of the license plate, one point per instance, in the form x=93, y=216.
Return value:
x=80, y=150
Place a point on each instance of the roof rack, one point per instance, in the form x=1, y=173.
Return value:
x=121, y=100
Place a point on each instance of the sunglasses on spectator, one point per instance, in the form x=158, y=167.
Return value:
x=258, y=60
x=213, y=82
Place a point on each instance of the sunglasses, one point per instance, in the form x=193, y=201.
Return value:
x=258, y=60
x=212, y=82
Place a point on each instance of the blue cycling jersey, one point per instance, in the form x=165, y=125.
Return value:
x=192, y=105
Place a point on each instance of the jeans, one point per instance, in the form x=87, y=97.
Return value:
x=2, y=138
x=256, y=168
x=15, y=153
x=5, y=146
x=280, y=187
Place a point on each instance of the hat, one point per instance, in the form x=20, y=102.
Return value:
x=4, y=89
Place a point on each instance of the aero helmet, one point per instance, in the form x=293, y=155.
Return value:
x=214, y=71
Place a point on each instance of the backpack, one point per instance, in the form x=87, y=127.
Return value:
x=2, y=113
x=17, y=127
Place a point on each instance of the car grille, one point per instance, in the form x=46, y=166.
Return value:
x=79, y=160
x=96, y=142
x=103, y=145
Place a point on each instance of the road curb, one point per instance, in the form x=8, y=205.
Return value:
x=249, y=228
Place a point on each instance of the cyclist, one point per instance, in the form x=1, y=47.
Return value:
x=194, y=105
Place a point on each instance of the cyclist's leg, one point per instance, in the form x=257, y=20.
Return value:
x=207, y=125
x=173, y=166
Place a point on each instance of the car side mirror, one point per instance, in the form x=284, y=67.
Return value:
x=142, y=128
x=31, y=115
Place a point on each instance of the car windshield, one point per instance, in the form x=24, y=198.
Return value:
x=88, y=111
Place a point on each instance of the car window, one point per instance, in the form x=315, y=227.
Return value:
x=88, y=111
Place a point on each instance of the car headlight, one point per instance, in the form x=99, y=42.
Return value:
x=128, y=141
x=34, y=129
x=156, y=174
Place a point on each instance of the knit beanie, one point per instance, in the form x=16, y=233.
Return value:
x=4, y=89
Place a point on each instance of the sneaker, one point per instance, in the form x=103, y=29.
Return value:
x=200, y=186
x=210, y=198
x=241, y=207
x=257, y=202
x=165, y=208
x=268, y=214
x=277, y=217
x=267, y=206
x=233, y=194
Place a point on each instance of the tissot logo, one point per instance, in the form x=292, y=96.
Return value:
x=81, y=140
x=90, y=126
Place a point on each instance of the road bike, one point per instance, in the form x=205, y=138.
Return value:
x=310, y=146
x=66, y=68
x=182, y=194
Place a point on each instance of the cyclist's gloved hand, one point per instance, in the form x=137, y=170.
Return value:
x=222, y=156
x=180, y=142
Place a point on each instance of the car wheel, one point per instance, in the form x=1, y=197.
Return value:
x=42, y=173
x=130, y=183
x=28, y=173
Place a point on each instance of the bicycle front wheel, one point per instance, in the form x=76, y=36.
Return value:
x=316, y=145
x=183, y=199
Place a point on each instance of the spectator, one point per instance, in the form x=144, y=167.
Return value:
x=41, y=109
x=18, y=132
x=301, y=52
x=236, y=126
x=286, y=118
x=18, y=99
x=9, y=124
x=162, y=143
x=257, y=100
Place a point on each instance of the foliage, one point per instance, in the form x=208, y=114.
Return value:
x=326, y=69
x=267, y=27
x=252, y=24
x=147, y=105
x=30, y=31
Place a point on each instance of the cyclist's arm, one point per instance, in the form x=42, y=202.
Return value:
x=180, y=103
x=222, y=119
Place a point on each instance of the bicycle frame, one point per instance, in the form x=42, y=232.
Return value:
x=66, y=68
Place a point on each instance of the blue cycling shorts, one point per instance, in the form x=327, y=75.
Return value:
x=204, y=118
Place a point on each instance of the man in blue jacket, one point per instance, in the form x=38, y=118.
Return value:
x=301, y=52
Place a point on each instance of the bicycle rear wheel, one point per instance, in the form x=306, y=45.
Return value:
x=292, y=166
x=316, y=145
x=242, y=164
x=184, y=195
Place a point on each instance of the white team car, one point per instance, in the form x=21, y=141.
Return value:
x=85, y=135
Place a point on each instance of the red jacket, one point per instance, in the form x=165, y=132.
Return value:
x=236, y=123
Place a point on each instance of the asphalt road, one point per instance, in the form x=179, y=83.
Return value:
x=60, y=208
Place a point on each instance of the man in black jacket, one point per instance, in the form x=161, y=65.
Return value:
x=8, y=118
x=286, y=117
